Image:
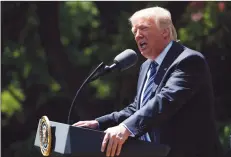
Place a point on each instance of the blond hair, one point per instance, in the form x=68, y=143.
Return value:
x=161, y=16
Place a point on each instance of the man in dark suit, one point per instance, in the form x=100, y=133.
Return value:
x=174, y=100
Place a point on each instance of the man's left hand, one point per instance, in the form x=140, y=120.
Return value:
x=115, y=137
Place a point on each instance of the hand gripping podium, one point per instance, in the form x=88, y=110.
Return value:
x=66, y=140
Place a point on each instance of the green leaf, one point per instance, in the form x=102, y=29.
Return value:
x=103, y=89
x=11, y=100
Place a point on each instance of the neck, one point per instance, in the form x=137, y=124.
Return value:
x=155, y=55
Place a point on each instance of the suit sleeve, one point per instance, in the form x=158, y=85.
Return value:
x=116, y=118
x=183, y=83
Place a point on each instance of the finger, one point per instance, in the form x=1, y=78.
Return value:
x=119, y=147
x=78, y=123
x=109, y=146
x=75, y=124
x=83, y=126
x=114, y=146
x=104, y=143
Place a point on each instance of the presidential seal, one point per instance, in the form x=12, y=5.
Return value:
x=45, y=136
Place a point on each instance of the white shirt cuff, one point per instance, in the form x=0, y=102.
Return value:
x=132, y=135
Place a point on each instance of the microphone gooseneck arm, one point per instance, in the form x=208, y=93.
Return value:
x=100, y=66
x=123, y=61
x=101, y=72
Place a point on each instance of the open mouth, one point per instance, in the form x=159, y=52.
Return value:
x=143, y=45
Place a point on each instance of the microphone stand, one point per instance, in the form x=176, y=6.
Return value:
x=99, y=70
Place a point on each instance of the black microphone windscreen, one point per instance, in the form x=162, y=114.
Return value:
x=126, y=59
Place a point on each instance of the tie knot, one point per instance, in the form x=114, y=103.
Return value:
x=153, y=65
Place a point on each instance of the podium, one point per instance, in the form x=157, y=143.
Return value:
x=67, y=140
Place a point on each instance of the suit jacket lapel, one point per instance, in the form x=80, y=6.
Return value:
x=172, y=54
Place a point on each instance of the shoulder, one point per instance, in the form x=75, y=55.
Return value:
x=191, y=55
x=191, y=61
x=188, y=52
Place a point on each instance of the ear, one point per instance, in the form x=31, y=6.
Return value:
x=166, y=33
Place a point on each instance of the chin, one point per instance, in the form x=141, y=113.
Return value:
x=144, y=54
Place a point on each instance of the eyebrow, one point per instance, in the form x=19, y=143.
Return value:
x=139, y=26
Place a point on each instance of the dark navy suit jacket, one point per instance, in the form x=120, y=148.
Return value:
x=180, y=108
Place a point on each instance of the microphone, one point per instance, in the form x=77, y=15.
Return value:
x=122, y=61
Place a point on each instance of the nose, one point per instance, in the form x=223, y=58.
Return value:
x=138, y=34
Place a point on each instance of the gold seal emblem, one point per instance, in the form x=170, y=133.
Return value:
x=45, y=136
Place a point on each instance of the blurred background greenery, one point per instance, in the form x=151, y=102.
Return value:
x=49, y=48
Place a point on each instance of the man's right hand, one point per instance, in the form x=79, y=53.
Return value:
x=93, y=124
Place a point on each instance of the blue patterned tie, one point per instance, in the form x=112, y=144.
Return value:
x=148, y=91
x=150, y=83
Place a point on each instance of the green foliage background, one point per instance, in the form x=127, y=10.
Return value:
x=49, y=48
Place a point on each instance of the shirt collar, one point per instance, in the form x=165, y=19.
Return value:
x=161, y=56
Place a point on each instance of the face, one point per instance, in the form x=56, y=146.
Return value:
x=150, y=39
